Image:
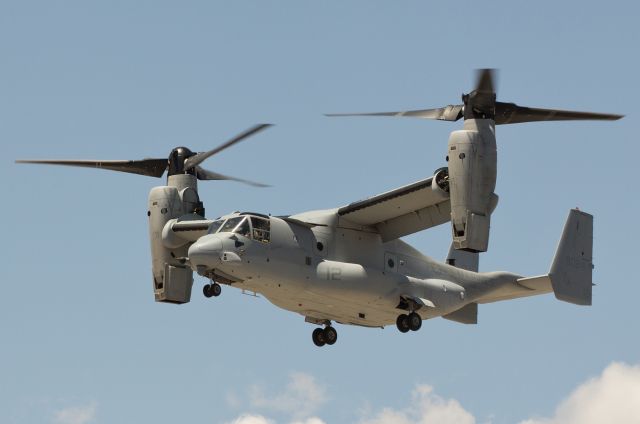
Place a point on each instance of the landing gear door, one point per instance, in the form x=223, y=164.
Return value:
x=390, y=262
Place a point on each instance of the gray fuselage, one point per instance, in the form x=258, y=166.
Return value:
x=335, y=273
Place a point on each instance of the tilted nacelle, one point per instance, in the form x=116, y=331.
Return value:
x=472, y=155
x=472, y=179
x=172, y=279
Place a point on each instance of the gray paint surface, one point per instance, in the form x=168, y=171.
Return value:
x=357, y=278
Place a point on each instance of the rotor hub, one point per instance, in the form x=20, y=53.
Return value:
x=177, y=160
x=479, y=105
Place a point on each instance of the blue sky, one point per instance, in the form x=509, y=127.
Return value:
x=82, y=339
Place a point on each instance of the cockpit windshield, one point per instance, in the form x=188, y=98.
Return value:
x=215, y=225
x=244, y=225
x=244, y=229
x=231, y=224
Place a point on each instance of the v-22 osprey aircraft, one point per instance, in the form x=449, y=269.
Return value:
x=348, y=264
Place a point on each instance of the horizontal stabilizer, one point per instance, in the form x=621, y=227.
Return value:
x=465, y=315
x=521, y=287
x=539, y=284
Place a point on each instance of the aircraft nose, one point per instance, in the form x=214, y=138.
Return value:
x=208, y=243
x=205, y=252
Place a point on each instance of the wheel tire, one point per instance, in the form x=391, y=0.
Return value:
x=330, y=335
x=403, y=323
x=216, y=289
x=415, y=321
x=318, y=337
x=207, y=291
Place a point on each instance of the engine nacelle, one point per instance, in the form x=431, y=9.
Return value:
x=171, y=239
x=172, y=280
x=440, y=183
x=472, y=179
x=186, y=229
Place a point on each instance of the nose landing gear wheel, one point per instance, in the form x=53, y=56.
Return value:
x=415, y=321
x=318, y=337
x=403, y=323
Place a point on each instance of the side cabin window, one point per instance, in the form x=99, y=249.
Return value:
x=261, y=229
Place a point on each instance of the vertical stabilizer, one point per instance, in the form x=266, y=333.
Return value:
x=463, y=259
x=572, y=268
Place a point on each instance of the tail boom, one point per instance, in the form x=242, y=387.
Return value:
x=570, y=276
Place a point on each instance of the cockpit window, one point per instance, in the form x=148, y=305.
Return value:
x=244, y=229
x=231, y=224
x=250, y=227
x=215, y=225
x=261, y=229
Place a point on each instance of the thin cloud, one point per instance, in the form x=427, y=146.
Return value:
x=300, y=399
x=302, y=396
x=76, y=414
x=312, y=420
x=260, y=419
x=426, y=408
x=251, y=419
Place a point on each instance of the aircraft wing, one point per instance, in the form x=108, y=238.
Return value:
x=402, y=211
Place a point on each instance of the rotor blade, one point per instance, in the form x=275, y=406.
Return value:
x=149, y=167
x=206, y=175
x=511, y=113
x=447, y=113
x=484, y=82
x=201, y=157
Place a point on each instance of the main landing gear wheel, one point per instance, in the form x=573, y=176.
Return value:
x=403, y=323
x=330, y=335
x=415, y=321
x=212, y=290
x=412, y=322
x=318, y=337
x=321, y=337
